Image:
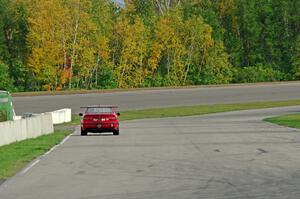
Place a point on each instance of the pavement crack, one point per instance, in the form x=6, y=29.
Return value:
x=235, y=187
x=151, y=165
x=208, y=183
x=195, y=146
x=261, y=151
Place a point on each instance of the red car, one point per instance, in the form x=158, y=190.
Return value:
x=99, y=119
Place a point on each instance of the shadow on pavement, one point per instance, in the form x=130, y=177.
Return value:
x=95, y=135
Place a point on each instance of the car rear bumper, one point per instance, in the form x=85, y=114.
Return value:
x=100, y=127
x=99, y=130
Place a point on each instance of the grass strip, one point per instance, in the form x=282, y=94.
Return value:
x=14, y=157
x=195, y=110
x=292, y=121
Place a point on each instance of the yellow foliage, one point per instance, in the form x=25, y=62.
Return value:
x=168, y=45
x=61, y=38
x=131, y=69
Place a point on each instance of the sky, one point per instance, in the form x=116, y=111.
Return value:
x=119, y=1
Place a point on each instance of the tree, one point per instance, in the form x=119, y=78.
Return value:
x=197, y=39
x=5, y=81
x=66, y=44
x=83, y=38
x=296, y=59
x=13, y=48
x=130, y=52
x=168, y=50
x=63, y=41
x=3, y=11
x=102, y=14
x=48, y=39
x=206, y=60
x=165, y=5
x=207, y=9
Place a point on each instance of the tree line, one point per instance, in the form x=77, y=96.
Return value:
x=83, y=44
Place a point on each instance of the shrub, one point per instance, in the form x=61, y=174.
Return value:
x=5, y=80
x=106, y=79
x=258, y=73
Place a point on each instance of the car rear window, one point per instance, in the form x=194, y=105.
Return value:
x=99, y=110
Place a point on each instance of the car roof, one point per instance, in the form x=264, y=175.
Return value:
x=100, y=106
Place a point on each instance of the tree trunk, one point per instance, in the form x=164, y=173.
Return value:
x=74, y=44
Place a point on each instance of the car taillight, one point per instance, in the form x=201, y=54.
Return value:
x=108, y=118
x=112, y=118
x=88, y=118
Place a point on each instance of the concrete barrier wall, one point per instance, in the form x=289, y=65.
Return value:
x=17, y=117
x=13, y=131
x=61, y=116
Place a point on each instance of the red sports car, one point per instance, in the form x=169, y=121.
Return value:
x=99, y=119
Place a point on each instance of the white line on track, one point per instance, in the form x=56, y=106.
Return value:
x=42, y=156
x=30, y=166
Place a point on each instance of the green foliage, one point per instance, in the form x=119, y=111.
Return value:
x=258, y=73
x=5, y=81
x=13, y=33
x=156, y=80
x=296, y=59
x=107, y=79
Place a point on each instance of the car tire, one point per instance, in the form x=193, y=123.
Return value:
x=116, y=132
x=83, y=132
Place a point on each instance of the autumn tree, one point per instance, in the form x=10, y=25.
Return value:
x=130, y=52
x=55, y=44
x=48, y=40
x=103, y=14
x=63, y=41
x=168, y=49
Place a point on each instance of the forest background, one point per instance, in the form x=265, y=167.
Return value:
x=97, y=44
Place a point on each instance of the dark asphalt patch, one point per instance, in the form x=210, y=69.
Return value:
x=1, y=181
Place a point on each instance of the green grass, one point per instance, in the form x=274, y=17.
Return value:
x=292, y=121
x=195, y=110
x=15, y=156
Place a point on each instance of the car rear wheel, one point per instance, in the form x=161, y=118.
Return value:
x=116, y=132
x=83, y=132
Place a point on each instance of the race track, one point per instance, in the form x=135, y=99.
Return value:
x=162, y=98
x=220, y=156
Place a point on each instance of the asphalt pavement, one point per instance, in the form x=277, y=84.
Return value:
x=226, y=155
x=162, y=98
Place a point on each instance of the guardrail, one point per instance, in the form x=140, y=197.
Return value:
x=61, y=116
x=14, y=131
x=33, y=126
